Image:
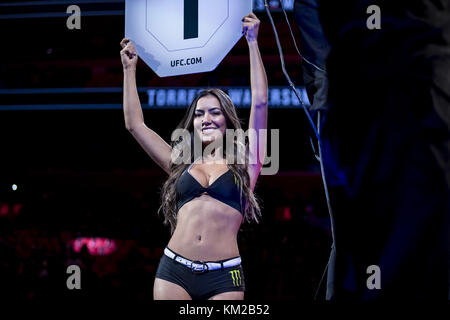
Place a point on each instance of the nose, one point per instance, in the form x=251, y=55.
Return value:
x=206, y=120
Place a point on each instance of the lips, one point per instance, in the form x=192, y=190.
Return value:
x=208, y=129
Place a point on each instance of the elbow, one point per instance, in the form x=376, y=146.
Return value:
x=261, y=103
x=260, y=99
x=130, y=128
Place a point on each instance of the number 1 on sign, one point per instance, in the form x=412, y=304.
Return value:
x=190, y=19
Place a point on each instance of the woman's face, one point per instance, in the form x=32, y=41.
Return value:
x=209, y=121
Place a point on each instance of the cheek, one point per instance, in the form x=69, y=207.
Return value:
x=223, y=122
x=197, y=124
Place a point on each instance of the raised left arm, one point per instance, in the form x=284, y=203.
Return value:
x=258, y=113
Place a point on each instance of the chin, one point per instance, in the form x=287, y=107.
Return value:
x=210, y=139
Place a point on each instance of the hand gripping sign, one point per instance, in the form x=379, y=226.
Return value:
x=176, y=37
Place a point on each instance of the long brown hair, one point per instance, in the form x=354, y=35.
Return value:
x=168, y=192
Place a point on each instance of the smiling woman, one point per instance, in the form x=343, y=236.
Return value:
x=206, y=200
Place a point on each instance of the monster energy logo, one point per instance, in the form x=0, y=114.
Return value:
x=236, y=276
x=236, y=180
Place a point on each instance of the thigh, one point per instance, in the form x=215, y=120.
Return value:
x=166, y=290
x=231, y=295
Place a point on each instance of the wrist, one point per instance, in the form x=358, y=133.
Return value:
x=129, y=69
x=252, y=43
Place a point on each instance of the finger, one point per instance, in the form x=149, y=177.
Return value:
x=128, y=53
x=131, y=54
x=251, y=15
x=130, y=47
x=251, y=20
x=124, y=42
x=248, y=25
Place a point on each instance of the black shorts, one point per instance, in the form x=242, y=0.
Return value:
x=201, y=286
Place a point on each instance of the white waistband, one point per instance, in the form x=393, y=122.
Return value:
x=199, y=266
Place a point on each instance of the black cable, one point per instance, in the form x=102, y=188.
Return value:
x=330, y=211
x=303, y=59
x=280, y=50
x=325, y=183
x=314, y=149
x=321, y=279
x=316, y=129
x=295, y=42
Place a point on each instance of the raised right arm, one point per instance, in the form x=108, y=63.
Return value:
x=149, y=140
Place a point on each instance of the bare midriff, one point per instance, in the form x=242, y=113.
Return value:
x=206, y=230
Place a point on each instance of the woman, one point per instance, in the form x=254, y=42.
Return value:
x=204, y=202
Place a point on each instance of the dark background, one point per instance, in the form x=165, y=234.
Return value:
x=79, y=173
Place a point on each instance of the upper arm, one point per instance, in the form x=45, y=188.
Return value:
x=253, y=172
x=154, y=145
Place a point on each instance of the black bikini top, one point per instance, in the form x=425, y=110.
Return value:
x=225, y=189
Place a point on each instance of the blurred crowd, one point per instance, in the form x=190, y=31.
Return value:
x=283, y=256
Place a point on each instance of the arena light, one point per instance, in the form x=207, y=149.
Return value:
x=184, y=36
x=96, y=246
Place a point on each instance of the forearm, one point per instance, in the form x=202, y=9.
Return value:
x=131, y=105
x=258, y=111
x=258, y=78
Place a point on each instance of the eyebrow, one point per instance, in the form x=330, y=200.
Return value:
x=210, y=109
